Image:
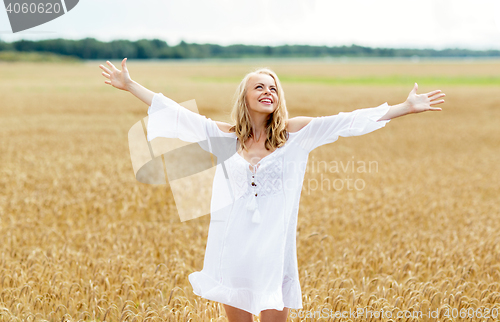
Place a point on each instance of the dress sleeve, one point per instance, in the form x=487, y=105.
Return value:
x=170, y=120
x=327, y=129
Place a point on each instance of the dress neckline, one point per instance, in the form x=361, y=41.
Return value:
x=233, y=134
x=257, y=165
x=262, y=159
x=291, y=134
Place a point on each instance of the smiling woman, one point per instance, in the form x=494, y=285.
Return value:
x=250, y=263
x=261, y=114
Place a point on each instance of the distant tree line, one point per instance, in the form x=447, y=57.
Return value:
x=90, y=48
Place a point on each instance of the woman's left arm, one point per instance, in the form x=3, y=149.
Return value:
x=415, y=103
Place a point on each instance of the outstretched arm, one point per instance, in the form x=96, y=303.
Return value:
x=415, y=104
x=121, y=80
x=313, y=132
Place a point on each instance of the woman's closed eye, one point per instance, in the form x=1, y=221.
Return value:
x=273, y=89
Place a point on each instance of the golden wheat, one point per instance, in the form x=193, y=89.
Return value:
x=82, y=240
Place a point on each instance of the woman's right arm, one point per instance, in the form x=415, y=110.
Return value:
x=170, y=120
x=141, y=92
x=121, y=80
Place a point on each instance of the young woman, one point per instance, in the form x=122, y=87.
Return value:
x=250, y=263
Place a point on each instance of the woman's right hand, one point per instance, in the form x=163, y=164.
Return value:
x=119, y=79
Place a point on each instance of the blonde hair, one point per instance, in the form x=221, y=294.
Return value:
x=276, y=134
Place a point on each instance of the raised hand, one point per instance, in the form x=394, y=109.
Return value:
x=422, y=102
x=119, y=79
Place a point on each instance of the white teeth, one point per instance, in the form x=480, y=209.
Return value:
x=266, y=100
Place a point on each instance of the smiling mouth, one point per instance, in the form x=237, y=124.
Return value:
x=266, y=101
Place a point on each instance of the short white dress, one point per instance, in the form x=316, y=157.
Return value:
x=251, y=257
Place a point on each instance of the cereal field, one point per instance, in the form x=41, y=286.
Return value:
x=83, y=240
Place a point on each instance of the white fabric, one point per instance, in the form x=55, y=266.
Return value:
x=251, y=259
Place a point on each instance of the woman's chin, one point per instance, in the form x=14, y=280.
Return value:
x=261, y=109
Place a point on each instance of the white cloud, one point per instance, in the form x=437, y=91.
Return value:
x=383, y=23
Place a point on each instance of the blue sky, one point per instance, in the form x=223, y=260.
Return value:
x=434, y=24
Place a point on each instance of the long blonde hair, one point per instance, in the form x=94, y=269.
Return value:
x=276, y=134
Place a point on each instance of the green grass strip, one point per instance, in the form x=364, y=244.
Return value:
x=369, y=80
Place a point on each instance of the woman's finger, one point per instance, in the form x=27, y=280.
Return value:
x=435, y=98
x=105, y=69
x=105, y=75
x=436, y=102
x=433, y=92
x=112, y=66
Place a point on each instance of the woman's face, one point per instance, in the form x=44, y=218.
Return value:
x=262, y=94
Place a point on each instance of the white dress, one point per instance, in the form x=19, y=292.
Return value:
x=251, y=259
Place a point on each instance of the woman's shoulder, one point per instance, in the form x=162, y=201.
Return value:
x=295, y=124
x=224, y=127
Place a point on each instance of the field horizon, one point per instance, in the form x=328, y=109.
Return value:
x=84, y=240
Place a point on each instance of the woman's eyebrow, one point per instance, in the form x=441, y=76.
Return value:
x=263, y=84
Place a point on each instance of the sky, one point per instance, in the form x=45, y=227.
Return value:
x=436, y=24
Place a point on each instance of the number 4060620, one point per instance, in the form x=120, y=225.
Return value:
x=33, y=7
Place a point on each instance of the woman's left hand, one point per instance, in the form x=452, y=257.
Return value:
x=422, y=102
